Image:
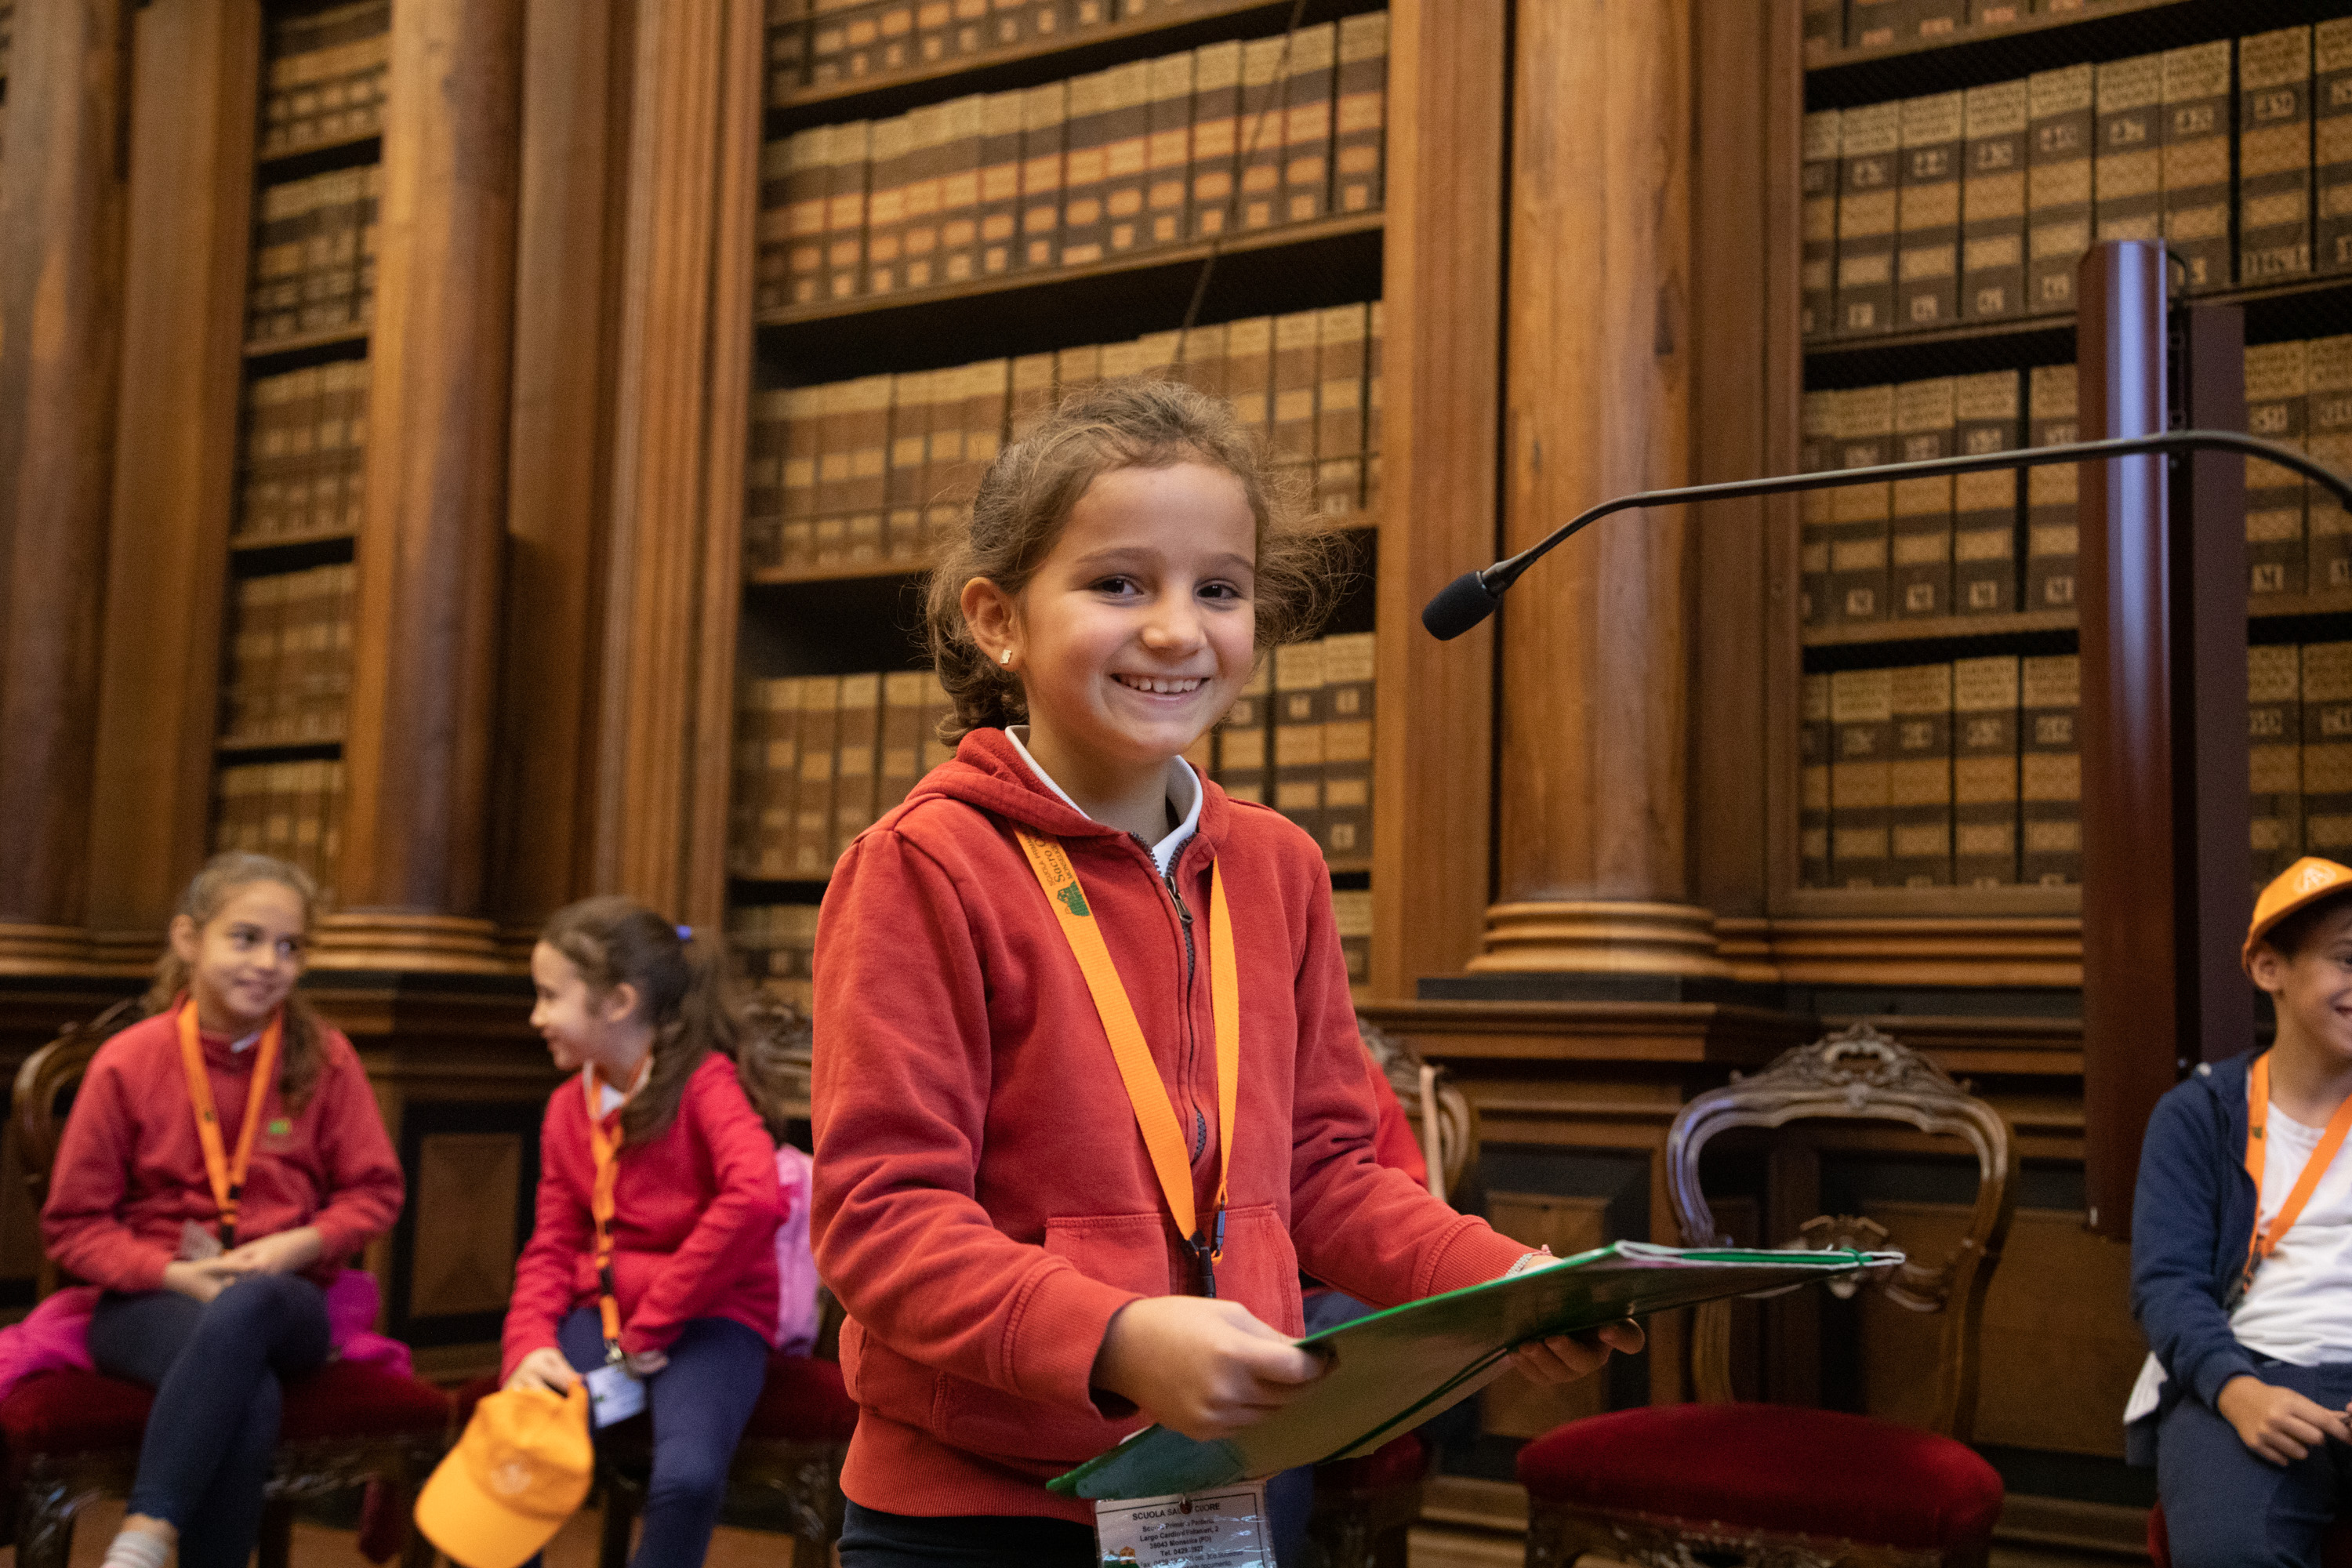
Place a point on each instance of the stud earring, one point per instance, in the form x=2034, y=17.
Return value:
x=1005, y=658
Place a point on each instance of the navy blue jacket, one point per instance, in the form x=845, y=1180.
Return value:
x=2191, y=1218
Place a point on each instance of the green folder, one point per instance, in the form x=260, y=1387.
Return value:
x=1391, y=1371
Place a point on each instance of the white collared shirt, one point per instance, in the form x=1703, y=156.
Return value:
x=1164, y=853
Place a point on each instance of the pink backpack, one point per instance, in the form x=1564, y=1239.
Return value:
x=795, y=1265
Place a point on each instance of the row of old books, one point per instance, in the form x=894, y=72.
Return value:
x=820, y=42
x=289, y=658
x=2299, y=720
x=1229, y=137
x=775, y=944
x=291, y=810
x=305, y=453
x=873, y=471
x=324, y=78
x=818, y=758
x=314, y=249
x=1978, y=205
x=1299, y=739
x=1876, y=24
x=1934, y=776
x=2298, y=537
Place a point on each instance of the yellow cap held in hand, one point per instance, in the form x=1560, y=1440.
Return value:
x=521, y=1469
x=2306, y=881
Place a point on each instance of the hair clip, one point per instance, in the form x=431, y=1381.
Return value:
x=686, y=933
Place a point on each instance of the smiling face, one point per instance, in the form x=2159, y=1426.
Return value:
x=2312, y=988
x=243, y=963
x=1138, y=628
x=578, y=1024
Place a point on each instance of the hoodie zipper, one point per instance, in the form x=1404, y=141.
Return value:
x=1184, y=1008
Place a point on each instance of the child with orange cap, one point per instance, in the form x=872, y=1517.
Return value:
x=2241, y=1257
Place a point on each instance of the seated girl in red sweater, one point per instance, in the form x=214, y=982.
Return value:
x=652, y=1268
x=222, y=1161
x=1044, y=1236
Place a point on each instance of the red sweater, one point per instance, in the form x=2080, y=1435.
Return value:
x=130, y=1171
x=694, y=1228
x=984, y=1203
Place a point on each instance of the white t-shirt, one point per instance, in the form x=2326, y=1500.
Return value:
x=1163, y=853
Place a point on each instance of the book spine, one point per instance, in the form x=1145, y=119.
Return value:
x=1241, y=738
x=1348, y=697
x=1986, y=410
x=2327, y=415
x=859, y=740
x=2126, y=175
x=1306, y=93
x=1259, y=166
x=820, y=751
x=1920, y=537
x=1984, y=771
x=1351, y=920
x=1295, y=351
x=746, y=782
x=1360, y=115
x=1374, y=340
x=1824, y=32
x=1000, y=182
x=1928, y=223
x=787, y=49
x=1861, y=514
x=2277, y=389
x=2050, y=529
x=845, y=208
x=1126, y=157
x=1813, y=739
x=1929, y=20
x=1249, y=373
x=1862, y=713
x=2274, y=757
x=2059, y=128
x=2331, y=146
x=799, y=230
x=1083, y=230
x=1919, y=778
x=1339, y=410
x=1992, y=202
x=904, y=692
x=2196, y=172
x=927, y=167
x=1817, y=452
x=938, y=710
x=1298, y=739
x=893, y=159
x=1871, y=22
x=2328, y=750
x=2049, y=771
x=1216, y=136
x=894, y=24
x=1870, y=147
x=868, y=427
x=1201, y=359
x=781, y=769
x=1032, y=393
x=1168, y=150
x=1077, y=366
x=2274, y=155
x=828, y=46
x=1156, y=354
x=1817, y=176
x=968, y=27
x=1122, y=361
x=1045, y=116
x=909, y=449
x=958, y=259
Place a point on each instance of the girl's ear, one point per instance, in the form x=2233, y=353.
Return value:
x=993, y=616
x=2269, y=969
x=187, y=941
x=620, y=1001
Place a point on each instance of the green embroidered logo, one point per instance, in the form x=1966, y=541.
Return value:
x=279, y=1127
x=1074, y=898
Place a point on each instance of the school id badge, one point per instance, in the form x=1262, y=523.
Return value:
x=1223, y=1529
x=612, y=1394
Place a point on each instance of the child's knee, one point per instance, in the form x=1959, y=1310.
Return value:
x=696, y=1474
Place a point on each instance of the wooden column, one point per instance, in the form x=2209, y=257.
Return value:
x=417, y=757
x=194, y=73
x=1441, y=292
x=1596, y=642
x=60, y=283
x=685, y=376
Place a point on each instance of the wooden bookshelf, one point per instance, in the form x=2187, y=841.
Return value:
x=1941, y=629
x=324, y=152
x=306, y=342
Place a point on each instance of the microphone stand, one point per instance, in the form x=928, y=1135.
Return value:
x=1472, y=597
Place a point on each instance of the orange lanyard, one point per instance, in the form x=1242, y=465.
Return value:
x=227, y=1174
x=2258, y=1109
x=1155, y=1111
x=605, y=1150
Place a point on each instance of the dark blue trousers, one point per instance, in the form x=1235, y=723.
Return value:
x=2226, y=1506
x=698, y=1404
x=216, y=1369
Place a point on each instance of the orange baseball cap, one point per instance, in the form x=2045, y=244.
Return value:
x=519, y=1469
x=2306, y=881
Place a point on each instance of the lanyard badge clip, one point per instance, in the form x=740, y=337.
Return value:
x=1206, y=1251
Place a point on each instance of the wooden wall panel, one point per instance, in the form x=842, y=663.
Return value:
x=465, y=1191
x=1512, y=1407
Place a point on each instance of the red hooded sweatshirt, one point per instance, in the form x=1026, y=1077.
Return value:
x=984, y=1203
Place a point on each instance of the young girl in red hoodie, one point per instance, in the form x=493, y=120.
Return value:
x=223, y=1159
x=652, y=1268
x=1038, y=1250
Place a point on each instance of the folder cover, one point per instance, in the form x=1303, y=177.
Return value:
x=1390, y=1372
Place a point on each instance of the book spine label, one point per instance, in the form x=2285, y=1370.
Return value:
x=2197, y=163
x=2049, y=771
x=1000, y=211
x=2126, y=177
x=2274, y=155
x=820, y=748
x=2274, y=757
x=1340, y=411
x=807, y=182
x=2328, y=750
x=892, y=145
x=1167, y=151
x=1241, y=739
x=1813, y=782
x=1295, y=352
x=844, y=209
x=926, y=188
x=1306, y=92
x=1083, y=230
x=1259, y=166
x=1126, y=157
x=1927, y=241
x=2057, y=184
x=1870, y=147
x=1216, y=135
x=2327, y=414
x=1984, y=771
x=1817, y=177
x=2051, y=529
x=1985, y=506
x=2276, y=387
x=1861, y=514
x=1919, y=778
x=858, y=738
x=1348, y=693
x=779, y=768
x=1824, y=32
x=1871, y=22
x=1298, y=735
x=1920, y=537
x=1360, y=115
x=1862, y=712
x=960, y=163
x=1044, y=114
x=2331, y=144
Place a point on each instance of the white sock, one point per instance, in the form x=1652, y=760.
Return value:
x=137, y=1548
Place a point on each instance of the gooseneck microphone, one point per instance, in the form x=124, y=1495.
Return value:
x=1472, y=597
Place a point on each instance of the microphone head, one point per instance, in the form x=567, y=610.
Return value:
x=1459, y=605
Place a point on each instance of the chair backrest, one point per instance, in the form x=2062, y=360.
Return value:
x=1421, y=1089
x=44, y=1092
x=1860, y=1075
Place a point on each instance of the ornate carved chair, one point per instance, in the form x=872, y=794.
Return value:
x=1756, y=1484
x=72, y=1437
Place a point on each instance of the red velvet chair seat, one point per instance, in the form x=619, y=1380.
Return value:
x=83, y=1412
x=1788, y=1471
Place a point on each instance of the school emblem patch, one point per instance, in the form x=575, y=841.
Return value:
x=1074, y=898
